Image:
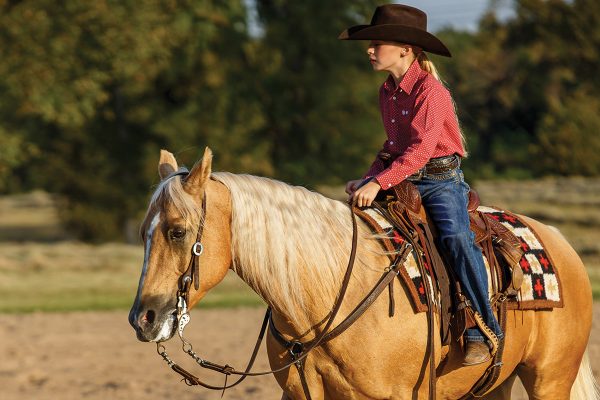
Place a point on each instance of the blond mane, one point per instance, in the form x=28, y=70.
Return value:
x=286, y=239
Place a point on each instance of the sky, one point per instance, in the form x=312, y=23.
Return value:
x=459, y=14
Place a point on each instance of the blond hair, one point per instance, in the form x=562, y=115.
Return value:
x=428, y=66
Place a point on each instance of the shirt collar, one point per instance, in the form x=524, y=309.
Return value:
x=408, y=80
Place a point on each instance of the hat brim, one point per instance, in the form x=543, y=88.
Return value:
x=397, y=33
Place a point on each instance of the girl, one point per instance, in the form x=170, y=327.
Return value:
x=424, y=145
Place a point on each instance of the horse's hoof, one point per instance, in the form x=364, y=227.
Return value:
x=476, y=353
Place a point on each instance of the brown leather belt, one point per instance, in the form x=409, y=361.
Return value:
x=436, y=168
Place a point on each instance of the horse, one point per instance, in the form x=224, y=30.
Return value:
x=291, y=246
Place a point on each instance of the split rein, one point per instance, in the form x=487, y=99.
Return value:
x=298, y=351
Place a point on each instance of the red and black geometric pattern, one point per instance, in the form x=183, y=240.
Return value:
x=541, y=286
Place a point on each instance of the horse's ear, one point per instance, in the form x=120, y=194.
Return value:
x=199, y=174
x=167, y=164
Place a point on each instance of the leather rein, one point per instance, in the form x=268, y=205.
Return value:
x=298, y=350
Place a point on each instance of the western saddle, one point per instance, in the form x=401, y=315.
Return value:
x=401, y=205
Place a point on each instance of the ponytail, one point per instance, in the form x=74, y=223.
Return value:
x=427, y=65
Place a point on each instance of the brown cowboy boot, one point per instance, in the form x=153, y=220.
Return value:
x=476, y=353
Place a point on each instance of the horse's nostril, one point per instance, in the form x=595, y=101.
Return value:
x=149, y=317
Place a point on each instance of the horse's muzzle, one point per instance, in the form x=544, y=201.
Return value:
x=151, y=325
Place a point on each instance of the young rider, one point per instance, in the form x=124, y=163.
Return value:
x=424, y=145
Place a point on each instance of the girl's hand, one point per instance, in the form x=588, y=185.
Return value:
x=364, y=196
x=351, y=185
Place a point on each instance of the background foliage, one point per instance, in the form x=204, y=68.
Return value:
x=90, y=91
x=526, y=90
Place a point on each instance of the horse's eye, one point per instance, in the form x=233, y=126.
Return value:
x=177, y=233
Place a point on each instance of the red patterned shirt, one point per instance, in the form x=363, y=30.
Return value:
x=420, y=123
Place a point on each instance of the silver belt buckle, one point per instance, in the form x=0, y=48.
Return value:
x=417, y=176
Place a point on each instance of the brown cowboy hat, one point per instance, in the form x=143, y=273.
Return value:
x=398, y=23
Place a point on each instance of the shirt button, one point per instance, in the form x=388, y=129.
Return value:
x=394, y=97
x=389, y=184
x=393, y=120
x=392, y=142
x=400, y=91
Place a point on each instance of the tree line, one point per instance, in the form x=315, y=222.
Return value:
x=90, y=91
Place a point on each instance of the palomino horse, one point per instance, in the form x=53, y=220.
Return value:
x=291, y=247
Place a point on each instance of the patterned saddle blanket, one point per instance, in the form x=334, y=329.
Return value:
x=540, y=289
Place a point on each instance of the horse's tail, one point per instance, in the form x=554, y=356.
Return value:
x=585, y=386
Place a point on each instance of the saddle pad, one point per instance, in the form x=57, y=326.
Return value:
x=541, y=285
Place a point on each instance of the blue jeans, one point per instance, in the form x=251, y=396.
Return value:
x=446, y=203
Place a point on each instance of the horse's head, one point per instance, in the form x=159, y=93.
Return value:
x=169, y=232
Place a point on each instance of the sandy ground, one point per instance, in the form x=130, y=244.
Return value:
x=95, y=356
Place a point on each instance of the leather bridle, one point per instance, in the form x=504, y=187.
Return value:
x=298, y=351
x=192, y=274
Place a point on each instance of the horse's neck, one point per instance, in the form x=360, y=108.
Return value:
x=292, y=250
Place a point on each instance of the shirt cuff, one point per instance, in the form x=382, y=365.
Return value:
x=387, y=179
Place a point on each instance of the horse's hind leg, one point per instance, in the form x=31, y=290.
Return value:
x=556, y=348
x=502, y=392
x=539, y=387
x=550, y=368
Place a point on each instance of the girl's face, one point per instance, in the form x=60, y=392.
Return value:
x=387, y=56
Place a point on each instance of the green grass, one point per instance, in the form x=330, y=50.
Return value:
x=593, y=268
x=70, y=276
x=596, y=290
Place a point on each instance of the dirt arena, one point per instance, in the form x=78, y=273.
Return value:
x=94, y=355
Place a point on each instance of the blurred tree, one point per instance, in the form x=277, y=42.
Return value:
x=101, y=86
x=15, y=154
x=319, y=96
x=512, y=82
x=568, y=138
